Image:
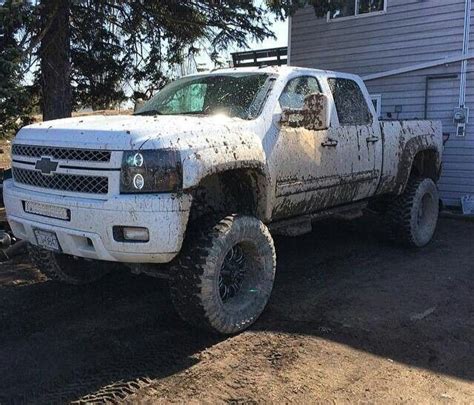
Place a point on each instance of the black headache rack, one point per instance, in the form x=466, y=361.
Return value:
x=262, y=57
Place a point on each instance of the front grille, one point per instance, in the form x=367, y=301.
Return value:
x=64, y=182
x=84, y=155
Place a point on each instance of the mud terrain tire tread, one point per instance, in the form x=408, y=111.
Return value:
x=192, y=297
x=46, y=262
x=400, y=215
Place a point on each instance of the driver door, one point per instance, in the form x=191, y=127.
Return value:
x=303, y=160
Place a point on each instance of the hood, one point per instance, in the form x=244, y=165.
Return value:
x=123, y=132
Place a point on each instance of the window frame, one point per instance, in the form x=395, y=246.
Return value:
x=357, y=15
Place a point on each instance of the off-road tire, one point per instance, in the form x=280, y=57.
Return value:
x=403, y=216
x=194, y=285
x=68, y=269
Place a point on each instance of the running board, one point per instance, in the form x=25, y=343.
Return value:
x=301, y=225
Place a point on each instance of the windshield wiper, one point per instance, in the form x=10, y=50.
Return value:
x=149, y=112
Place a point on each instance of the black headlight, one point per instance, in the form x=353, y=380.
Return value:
x=151, y=171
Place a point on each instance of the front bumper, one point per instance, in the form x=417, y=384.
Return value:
x=89, y=233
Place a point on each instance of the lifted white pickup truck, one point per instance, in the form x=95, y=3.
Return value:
x=202, y=174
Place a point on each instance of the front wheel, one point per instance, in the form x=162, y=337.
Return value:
x=414, y=215
x=224, y=275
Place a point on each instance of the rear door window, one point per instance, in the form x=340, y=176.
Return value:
x=350, y=102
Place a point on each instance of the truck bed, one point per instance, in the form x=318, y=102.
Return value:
x=401, y=142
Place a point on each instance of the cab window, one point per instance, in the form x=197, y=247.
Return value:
x=350, y=102
x=296, y=90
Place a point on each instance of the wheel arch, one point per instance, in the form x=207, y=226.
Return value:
x=426, y=164
x=417, y=160
x=233, y=188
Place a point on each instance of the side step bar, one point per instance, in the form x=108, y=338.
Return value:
x=303, y=224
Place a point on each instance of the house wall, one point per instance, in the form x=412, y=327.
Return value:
x=409, y=33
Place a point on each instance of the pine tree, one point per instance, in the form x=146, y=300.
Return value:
x=54, y=54
x=14, y=98
x=88, y=49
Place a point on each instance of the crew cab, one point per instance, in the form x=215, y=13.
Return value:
x=194, y=184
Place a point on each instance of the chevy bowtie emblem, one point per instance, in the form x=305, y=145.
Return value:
x=46, y=165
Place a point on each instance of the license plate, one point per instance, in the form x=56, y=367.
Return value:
x=47, y=240
x=46, y=210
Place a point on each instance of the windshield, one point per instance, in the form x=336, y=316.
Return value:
x=239, y=95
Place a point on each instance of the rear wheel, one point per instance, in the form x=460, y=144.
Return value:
x=224, y=275
x=414, y=215
x=68, y=269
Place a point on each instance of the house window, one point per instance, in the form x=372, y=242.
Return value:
x=377, y=102
x=356, y=8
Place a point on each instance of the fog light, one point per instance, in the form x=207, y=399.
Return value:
x=130, y=234
x=136, y=234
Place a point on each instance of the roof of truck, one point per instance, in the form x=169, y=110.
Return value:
x=266, y=69
x=279, y=70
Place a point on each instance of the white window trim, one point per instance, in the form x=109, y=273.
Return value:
x=378, y=98
x=353, y=17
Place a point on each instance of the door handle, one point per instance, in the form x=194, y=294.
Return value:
x=329, y=143
x=372, y=139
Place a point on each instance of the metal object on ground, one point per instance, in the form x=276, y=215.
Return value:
x=5, y=240
x=16, y=249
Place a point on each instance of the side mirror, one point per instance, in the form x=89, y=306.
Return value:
x=138, y=104
x=313, y=116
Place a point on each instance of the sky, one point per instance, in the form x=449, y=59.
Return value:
x=280, y=28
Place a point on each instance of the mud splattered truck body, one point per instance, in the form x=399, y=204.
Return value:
x=194, y=184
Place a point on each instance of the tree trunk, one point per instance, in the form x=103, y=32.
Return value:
x=55, y=60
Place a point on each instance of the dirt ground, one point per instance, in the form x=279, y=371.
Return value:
x=5, y=154
x=353, y=318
